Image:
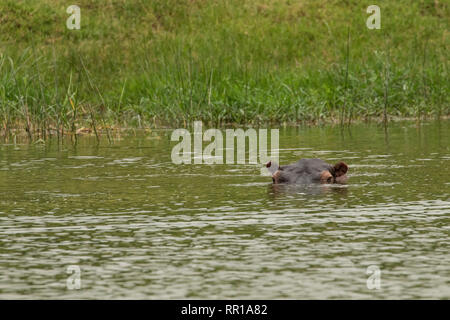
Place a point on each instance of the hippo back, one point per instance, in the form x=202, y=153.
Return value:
x=303, y=171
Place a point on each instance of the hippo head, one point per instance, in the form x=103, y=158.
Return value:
x=334, y=174
x=308, y=171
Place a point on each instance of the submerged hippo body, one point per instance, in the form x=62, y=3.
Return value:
x=306, y=171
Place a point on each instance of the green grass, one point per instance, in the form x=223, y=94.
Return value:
x=147, y=63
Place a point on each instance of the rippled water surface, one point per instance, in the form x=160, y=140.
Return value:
x=139, y=226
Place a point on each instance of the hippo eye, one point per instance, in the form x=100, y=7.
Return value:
x=330, y=180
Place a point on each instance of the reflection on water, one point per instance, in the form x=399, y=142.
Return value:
x=139, y=226
x=314, y=189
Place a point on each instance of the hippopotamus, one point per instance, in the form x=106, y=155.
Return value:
x=306, y=171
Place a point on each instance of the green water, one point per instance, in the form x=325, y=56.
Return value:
x=139, y=226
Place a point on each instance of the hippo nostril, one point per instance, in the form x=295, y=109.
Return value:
x=330, y=180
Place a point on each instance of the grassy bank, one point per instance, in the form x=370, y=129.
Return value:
x=141, y=63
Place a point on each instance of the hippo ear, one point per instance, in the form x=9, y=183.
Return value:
x=340, y=169
x=272, y=166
